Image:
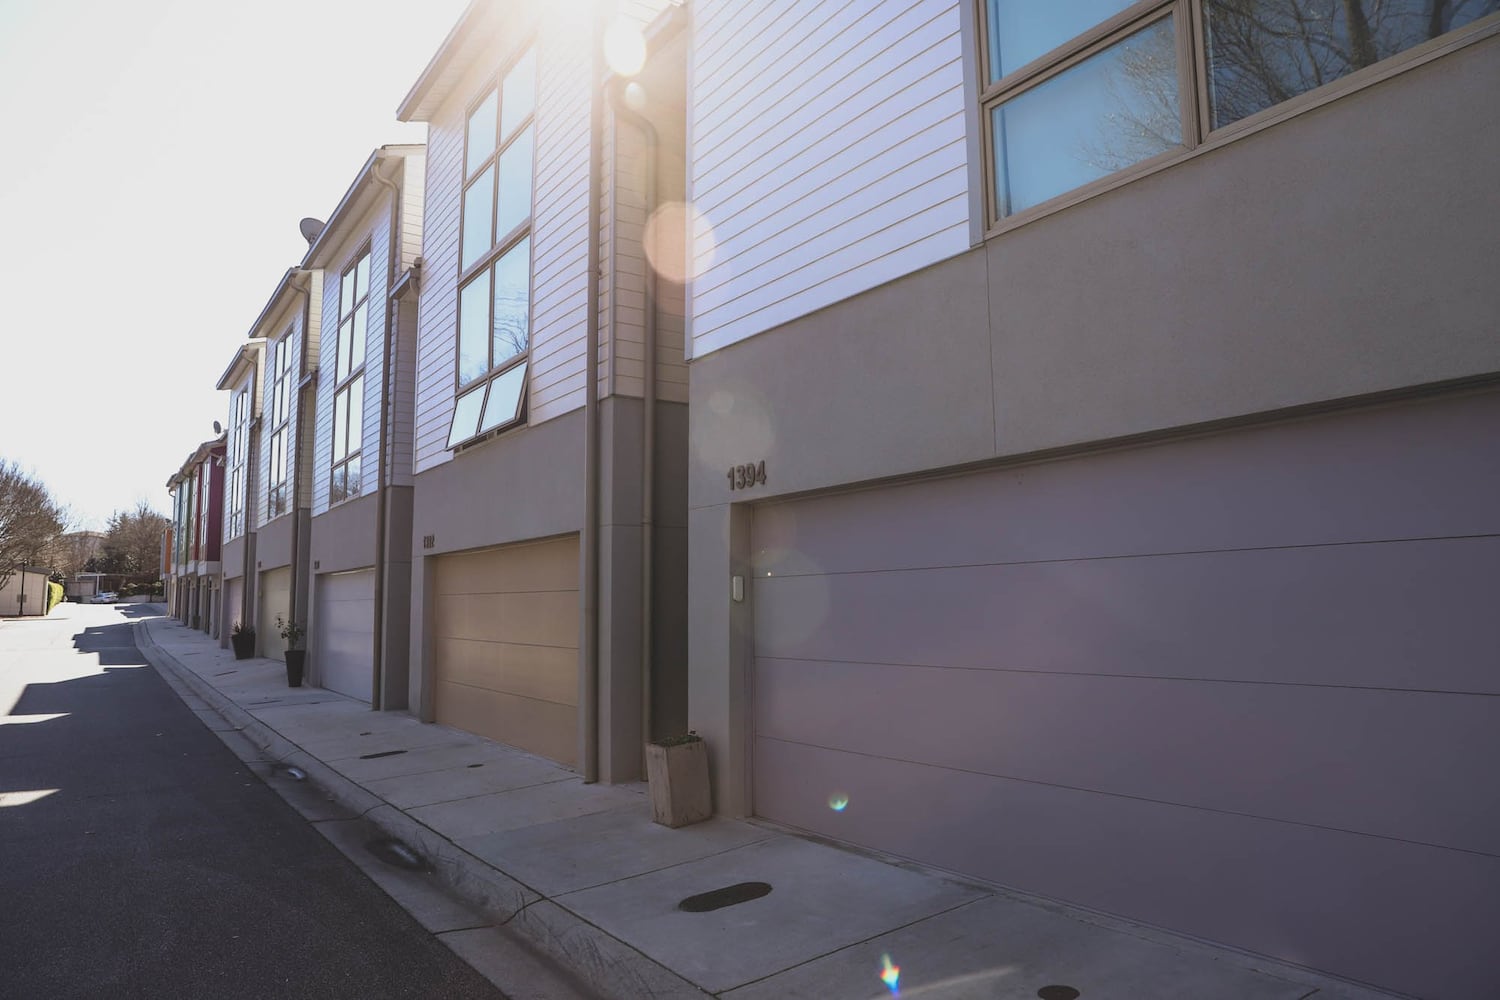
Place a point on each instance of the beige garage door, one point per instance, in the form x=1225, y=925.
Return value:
x=506, y=645
x=275, y=598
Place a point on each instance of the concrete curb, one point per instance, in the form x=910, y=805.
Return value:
x=603, y=962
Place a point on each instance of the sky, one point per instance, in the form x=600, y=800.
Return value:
x=160, y=154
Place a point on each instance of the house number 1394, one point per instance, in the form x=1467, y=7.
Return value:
x=742, y=477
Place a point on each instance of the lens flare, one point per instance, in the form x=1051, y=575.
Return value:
x=624, y=47
x=838, y=801
x=890, y=974
x=672, y=251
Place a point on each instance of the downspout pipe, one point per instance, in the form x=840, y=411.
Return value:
x=590, y=542
x=648, y=400
x=382, y=515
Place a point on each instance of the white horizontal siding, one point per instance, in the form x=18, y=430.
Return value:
x=863, y=103
x=559, y=249
x=413, y=178
x=438, y=302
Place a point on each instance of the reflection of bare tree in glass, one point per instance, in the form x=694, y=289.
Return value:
x=1141, y=82
x=1263, y=52
x=512, y=322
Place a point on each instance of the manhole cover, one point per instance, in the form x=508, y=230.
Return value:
x=730, y=895
x=383, y=753
x=398, y=854
x=1058, y=993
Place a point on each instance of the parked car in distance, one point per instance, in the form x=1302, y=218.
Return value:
x=105, y=597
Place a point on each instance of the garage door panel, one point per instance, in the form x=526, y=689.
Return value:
x=1293, y=887
x=545, y=619
x=546, y=673
x=1298, y=483
x=1399, y=614
x=1184, y=742
x=506, y=644
x=345, y=633
x=546, y=565
x=538, y=726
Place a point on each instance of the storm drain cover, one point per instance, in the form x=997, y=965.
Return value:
x=400, y=855
x=383, y=753
x=1058, y=993
x=717, y=899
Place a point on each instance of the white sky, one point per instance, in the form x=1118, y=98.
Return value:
x=160, y=155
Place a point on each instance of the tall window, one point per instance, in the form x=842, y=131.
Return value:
x=278, y=392
x=239, y=437
x=349, y=380
x=1074, y=92
x=494, y=299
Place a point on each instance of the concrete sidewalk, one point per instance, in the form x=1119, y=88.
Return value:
x=580, y=874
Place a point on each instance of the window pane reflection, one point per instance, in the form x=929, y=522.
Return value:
x=519, y=91
x=1113, y=109
x=504, y=404
x=474, y=329
x=1023, y=30
x=479, y=202
x=466, y=416
x=481, y=134
x=515, y=185
x=1263, y=52
x=512, y=329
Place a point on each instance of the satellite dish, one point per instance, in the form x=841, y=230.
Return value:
x=310, y=228
x=218, y=428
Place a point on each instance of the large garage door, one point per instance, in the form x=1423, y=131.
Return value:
x=275, y=598
x=1216, y=684
x=345, y=632
x=505, y=638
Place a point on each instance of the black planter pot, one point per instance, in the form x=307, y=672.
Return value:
x=296, y=660
x=244, y=646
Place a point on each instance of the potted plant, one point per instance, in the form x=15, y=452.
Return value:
x=242, y=638
x=677, y=769
x=296, y=657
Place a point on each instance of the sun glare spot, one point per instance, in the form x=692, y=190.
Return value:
x=838, y=802
x=624, y=47
x=8, y=799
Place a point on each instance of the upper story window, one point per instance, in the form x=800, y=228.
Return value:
x=1075, y=92
x=278, y=393
x=494, y=298
x=239, y=442
x=349, y=380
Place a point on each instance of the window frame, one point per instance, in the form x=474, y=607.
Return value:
x=501, y=245
x=1198, y=135
x=346, y=386
x=280, y=375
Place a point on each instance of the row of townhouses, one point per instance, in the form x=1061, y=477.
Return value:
x=1062, y=436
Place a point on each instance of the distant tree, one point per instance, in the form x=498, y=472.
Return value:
x=30, y=519
x=132, y=542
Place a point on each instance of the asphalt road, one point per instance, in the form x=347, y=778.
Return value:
x=139, y=857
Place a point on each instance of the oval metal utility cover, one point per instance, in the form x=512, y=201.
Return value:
x=717, y=899
x=394, y=852
x=1058, y=993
